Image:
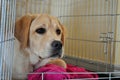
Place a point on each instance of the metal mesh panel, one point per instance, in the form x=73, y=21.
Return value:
x=7, y=19
x=91, y=30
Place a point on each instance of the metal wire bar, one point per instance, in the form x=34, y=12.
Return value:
x=2, y=36
x=86, y=15
x=81, y=73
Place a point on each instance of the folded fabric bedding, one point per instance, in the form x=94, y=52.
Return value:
x=80, y=73
x=54, y=72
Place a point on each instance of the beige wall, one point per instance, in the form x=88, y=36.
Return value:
x=85, y=28
x=117, y=47
x=30, y=6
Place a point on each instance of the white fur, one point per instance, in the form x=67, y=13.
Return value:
x=21, y=63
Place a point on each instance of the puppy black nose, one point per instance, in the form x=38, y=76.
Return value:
x=57, y=45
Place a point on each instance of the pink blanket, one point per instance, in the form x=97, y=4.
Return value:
x=54, y=72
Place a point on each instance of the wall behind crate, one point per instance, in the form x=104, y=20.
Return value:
x=31, y=7
x=86, y=21
x=117, y=38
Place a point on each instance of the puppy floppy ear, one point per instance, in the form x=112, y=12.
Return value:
x=22, y=27
x=63, y=34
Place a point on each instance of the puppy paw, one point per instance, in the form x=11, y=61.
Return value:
x=59, y=62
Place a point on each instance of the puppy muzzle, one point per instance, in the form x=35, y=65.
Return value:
x=56, y=48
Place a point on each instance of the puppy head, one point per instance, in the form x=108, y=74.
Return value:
x=42, y=34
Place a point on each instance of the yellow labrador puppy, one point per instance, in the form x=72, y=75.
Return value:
x=39, y=39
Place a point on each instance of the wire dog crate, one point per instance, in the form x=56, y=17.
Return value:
x=93, y=39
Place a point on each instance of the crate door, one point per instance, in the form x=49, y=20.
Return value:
x=90, y=25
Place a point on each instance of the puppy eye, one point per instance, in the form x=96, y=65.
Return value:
x=58, y=31
x=41, y=30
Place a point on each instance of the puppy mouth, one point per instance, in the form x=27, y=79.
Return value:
x=56, y=53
